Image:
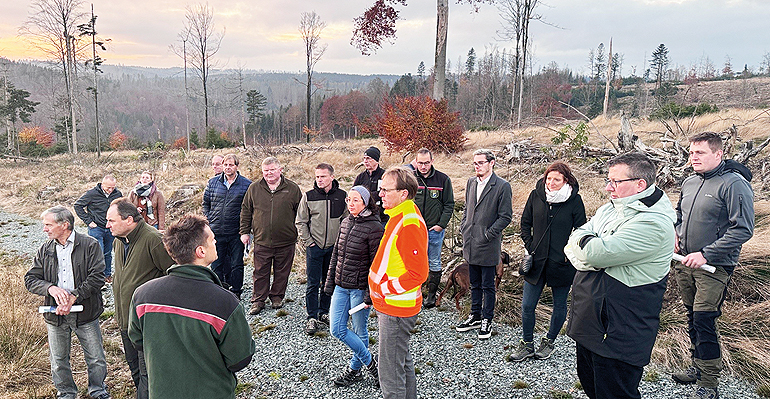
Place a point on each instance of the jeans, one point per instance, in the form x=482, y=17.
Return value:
x=356, y=339
x=435, y=241
x=482, y=279
x=396, y=367
x=229, y=264
x=317, y=266
x=529, y=300
x=105, y=238
x=605, y=378
x=59, y=343
x=138, y=367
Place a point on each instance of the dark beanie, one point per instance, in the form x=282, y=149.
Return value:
x=373, y=153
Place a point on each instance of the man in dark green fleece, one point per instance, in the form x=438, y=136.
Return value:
x=193, y=332
x=139, y=258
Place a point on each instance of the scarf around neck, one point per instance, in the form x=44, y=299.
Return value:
x=559, y=196
x=144, y=191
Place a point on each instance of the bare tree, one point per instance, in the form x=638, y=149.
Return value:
x=310, y=27
x=204, y=44
x=516, y=15
x=52, y=28
x=607, y=83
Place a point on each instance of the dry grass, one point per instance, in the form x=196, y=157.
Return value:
x=24, y=357
x=24, y=367
x=64, y=179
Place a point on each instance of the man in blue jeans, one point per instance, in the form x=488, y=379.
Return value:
x=435, y=200
x=91, y=208
x=69, y=270
x=320, y=212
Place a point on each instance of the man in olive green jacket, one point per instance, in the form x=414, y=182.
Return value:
x=268, y=211
x=139, y=257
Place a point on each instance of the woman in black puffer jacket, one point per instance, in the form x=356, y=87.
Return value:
x=347, y=282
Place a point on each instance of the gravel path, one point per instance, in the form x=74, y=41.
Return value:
x=288, y=363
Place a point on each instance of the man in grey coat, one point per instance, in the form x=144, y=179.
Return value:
x=487, y=212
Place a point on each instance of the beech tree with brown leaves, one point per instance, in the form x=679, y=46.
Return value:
x=378, y=25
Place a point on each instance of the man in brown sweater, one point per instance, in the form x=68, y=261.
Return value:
x=268, y=212
x=139, y=257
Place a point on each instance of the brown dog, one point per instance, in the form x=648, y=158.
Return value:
x=459, y=278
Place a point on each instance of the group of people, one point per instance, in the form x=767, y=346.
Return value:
x=375, y=246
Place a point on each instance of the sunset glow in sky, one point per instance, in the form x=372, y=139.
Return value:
x=262, y=34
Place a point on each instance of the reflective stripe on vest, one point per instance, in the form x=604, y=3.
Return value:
x=401, y=297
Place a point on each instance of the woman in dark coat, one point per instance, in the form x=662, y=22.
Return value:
x=554, y=200
x=348, y=284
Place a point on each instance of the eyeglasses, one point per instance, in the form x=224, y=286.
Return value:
x=614, y=183
x=480, y=163
x=427, y=163
x=352, y=200
x=387, y=190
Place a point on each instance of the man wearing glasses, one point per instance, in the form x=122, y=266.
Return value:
x=268, y=211
x=436, y=202
x=622, y=256
x=487, y=212
x=399, y=268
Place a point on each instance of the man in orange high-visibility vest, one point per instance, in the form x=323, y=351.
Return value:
x=398, y=270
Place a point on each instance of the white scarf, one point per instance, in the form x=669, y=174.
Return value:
x=557, y=197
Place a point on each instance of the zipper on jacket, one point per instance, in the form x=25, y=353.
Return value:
x=689, y=215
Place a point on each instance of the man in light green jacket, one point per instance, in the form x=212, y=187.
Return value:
x=623, y=255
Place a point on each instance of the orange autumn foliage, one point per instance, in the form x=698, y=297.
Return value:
x=410, y=123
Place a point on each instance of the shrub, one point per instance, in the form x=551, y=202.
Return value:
x=118, y=140
x=410, y=123
x=181, y=143
x=673, y=110
x=216, y=139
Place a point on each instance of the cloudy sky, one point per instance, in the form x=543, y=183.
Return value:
x=262, y=34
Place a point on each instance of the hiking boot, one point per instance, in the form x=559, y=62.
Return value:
x=324, y=318
x=256, y=308
x=311, y=326
x=471, y=323
x=485, y=331
x=705, y=393
x=434, y=279
x=348, y=377
x=372, y=369
x=688, y=376
x=525, y=350
x=277, y=304
x=545, y=349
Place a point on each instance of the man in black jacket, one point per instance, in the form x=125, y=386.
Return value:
x=222, y=200
x=371, y=178
x=91, y=208
x=69, y=270
x=435, y=200
x=487, y=212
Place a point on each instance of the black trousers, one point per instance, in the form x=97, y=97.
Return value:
x=605, y=378
x=136, y=364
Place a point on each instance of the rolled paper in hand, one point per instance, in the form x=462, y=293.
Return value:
x=706, y=267
x=52, y=309
x=357, y=308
